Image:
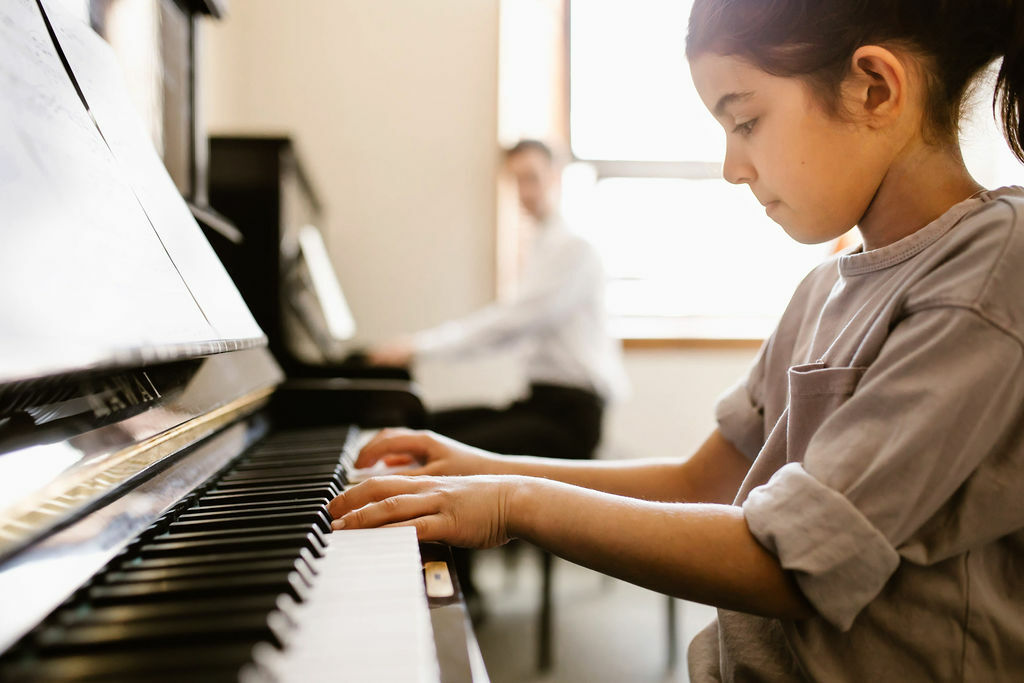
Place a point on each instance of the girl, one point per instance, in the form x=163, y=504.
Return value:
x=856, y=515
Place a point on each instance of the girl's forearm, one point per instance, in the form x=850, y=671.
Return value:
x=698, y=552
x=651, y=479
x=712, y=475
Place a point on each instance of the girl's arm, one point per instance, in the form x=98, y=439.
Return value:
x=712, y=475
x=698, y=552
x=701, y=552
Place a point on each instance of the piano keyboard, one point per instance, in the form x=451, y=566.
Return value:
x=242, y=577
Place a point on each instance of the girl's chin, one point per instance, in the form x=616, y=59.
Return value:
x=808, y=235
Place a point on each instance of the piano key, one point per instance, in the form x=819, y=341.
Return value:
x=219, y=503
x=220, y=557
x=319, y=517
x=279, y=490
x=213, y=661
x=272, y=627
x=278, y=480
x=266, y=508
x=295, y=542
x=187, y=610
x=315, y=471
x=387, y=593
x=277, y=463
x=295, y=450
x=240, y=532
x=298, y=493
x=291, y=583
x=169, y=573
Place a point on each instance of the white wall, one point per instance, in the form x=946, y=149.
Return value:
x=393, y=106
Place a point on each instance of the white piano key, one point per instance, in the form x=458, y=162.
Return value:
x=365, y=618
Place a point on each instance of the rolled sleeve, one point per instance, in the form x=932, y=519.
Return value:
x=740, y=420
x=838, y=558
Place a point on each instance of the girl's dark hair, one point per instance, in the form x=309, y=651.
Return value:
x=814, y=40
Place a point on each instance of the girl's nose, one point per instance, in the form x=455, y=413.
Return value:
x=736, y=169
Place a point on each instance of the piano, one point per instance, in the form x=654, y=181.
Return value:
x=162, y=480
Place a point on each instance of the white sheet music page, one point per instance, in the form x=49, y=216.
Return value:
x=366, y=618
x=84, y=279
x=99, y=76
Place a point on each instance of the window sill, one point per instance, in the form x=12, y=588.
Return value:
x=650, y=332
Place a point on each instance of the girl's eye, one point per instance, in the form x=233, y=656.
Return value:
x=745, y=128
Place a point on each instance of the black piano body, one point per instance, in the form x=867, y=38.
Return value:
x=162, y=480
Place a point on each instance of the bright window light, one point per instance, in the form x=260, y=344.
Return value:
x=632, y=96
x=678, y=247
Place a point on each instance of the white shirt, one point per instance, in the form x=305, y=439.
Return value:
x=559, y=310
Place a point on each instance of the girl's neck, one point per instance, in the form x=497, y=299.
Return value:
x=920, y=185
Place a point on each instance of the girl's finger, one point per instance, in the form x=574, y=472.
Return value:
x=415, y=444
x=396, y=509
x=396, y=459
x=373, y=490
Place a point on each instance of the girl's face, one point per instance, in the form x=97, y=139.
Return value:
x=814, y=174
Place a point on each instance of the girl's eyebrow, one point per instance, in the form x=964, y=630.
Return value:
x=728, y=99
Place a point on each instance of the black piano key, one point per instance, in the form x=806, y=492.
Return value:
x=278, y=464
x=289, y=452
x=279, y=480
x=299, y=493
x=205, y=570
x=251, y=509
x=318, y=517
x=213, y=661
x=295, y=542
x=276, y=490
x=220, y=557
x=312, y=472
x=291, y=445
x=240, y=532
x=281, y=484
x=290, y=583
x=246, y=627
x=275, y=467
x=186, y=609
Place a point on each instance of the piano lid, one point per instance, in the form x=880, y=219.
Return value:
x=101, y=262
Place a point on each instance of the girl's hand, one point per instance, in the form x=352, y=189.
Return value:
x=470, y=512
x=437, y=455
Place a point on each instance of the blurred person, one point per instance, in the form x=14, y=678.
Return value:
x=573, y=367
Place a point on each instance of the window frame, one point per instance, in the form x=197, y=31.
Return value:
x=669, y=331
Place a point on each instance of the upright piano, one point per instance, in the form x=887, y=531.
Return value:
x=162, y=481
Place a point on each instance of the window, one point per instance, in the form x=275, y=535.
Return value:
x=688, y=254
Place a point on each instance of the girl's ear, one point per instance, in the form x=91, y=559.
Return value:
x=877, y=86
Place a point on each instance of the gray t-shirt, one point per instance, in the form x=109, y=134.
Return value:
x=885, y=421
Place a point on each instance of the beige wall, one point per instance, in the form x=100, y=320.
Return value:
x=393, y=104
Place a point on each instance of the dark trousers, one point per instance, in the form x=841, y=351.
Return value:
x=552, y=422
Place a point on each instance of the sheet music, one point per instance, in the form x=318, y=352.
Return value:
x=77, y=258
x=86, y=281
x=99, y=76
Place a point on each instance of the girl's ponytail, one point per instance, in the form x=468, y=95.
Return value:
x=1008, y=100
